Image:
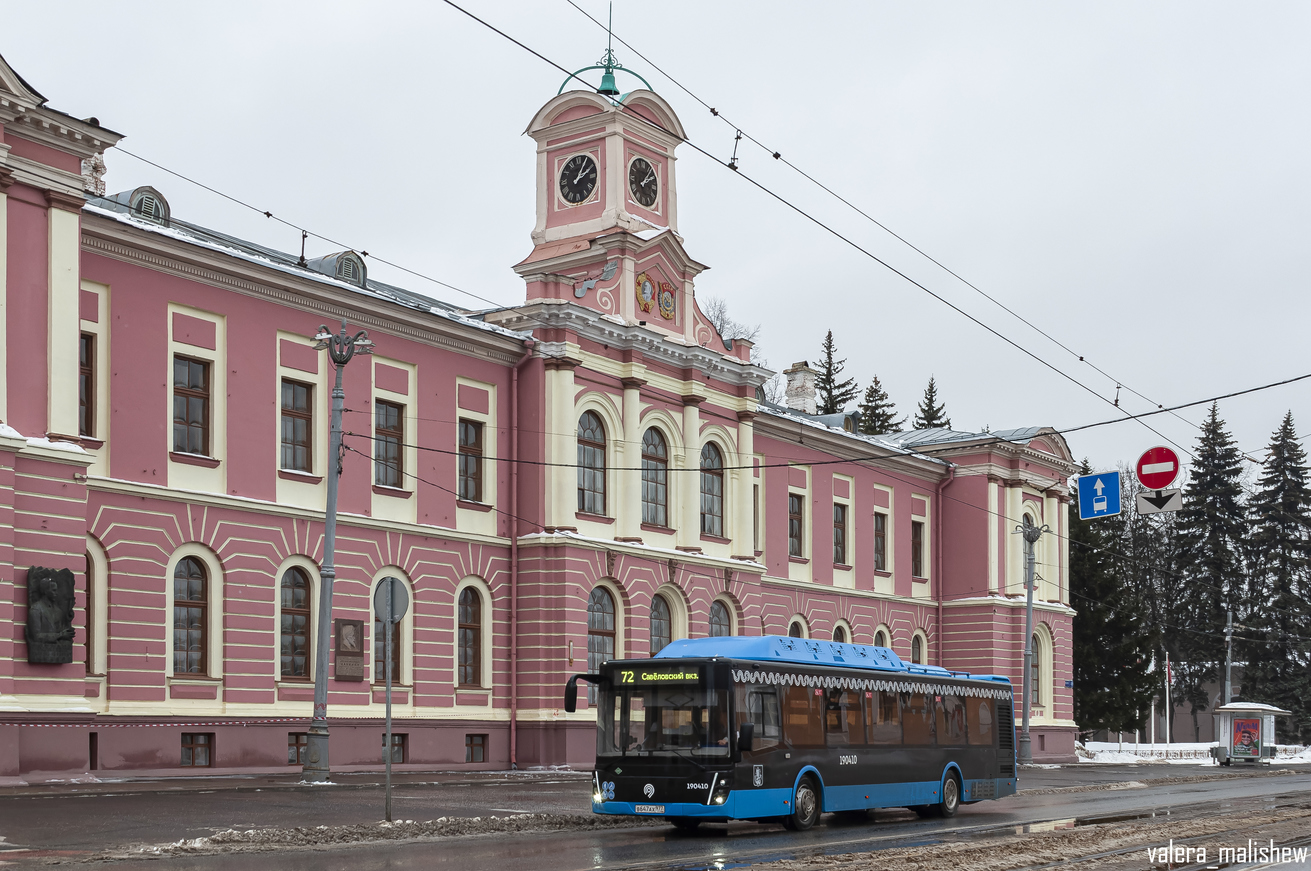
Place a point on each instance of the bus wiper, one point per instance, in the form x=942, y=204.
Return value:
x=689, y=758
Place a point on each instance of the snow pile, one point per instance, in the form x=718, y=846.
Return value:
x=1299, y=756
x=1115, y=753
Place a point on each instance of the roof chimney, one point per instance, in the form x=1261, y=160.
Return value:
x=801, y=387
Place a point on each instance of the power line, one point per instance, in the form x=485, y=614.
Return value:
x=268, y=214
x=777, y=155
x=731, y=165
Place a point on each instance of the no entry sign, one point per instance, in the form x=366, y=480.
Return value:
x=1157, y=468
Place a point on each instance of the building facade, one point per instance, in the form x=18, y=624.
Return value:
x=587, y=475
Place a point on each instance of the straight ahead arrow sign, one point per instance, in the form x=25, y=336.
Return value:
x=1099, y=486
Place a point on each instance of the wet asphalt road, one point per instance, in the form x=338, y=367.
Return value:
x=75, y=825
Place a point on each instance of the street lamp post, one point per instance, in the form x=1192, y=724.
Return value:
x=340, y=348
x=1031, y=535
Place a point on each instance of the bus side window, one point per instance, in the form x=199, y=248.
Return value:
x=917, y=718
x=803, y=716
x=884, y=715
x=951, y=719
x=980, y=718
x=844, y=718
x=762, y=710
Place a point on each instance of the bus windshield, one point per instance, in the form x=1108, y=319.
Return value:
x=662, y=721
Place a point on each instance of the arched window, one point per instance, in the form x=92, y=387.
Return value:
x=591, y=464
x=712, y=491
x=796, y=630
x=380, y=648
x=721, y=625
x=600, y=633
x=471, y=627
x=655, y=474
x=840, y=634
x=660, y=624
x=917, y=650
x=294, y=645
x=1035, y=672
x=190, y=617
x=880, y=640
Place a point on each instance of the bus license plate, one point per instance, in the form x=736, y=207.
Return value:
x=650, y=808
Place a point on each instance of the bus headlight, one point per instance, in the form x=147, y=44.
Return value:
x=721, y=795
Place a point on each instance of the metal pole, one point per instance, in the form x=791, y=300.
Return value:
x=386, y=631
x=1031, y=535
x=340, y=349
x=1229, y=658
x=1168, y=737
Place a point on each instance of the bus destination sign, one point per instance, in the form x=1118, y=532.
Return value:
x=656, y=676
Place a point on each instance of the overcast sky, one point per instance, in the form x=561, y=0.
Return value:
x=1130, y=177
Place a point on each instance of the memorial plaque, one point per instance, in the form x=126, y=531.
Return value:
x=49, y=615
x=349, y=661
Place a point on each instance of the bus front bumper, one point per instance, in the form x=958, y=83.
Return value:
x=740, y=805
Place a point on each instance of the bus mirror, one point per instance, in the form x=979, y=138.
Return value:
x=571, y=695
x=746, y=734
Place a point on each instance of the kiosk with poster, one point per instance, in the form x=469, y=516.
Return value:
x=1245, y=732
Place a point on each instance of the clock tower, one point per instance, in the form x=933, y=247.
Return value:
x=606, y=235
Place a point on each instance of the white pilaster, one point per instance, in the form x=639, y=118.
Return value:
x=689, y=531
x=562, y=444
x=4, y=285
x=743, y=479
x=628, y=517
x=61, y=344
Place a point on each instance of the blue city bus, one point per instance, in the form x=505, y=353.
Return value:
x=774, y=728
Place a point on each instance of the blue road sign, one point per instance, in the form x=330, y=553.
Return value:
x=1099, y=495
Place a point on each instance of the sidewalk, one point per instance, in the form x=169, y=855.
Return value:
x=149, y=782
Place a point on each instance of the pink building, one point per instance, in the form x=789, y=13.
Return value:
x=586, y=475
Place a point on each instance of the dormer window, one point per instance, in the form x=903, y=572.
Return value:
x=147, y=203
x=351, y=268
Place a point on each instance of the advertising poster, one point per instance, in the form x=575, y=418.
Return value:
x=1247, y=738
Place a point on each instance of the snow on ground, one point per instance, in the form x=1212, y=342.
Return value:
x=1115, y=753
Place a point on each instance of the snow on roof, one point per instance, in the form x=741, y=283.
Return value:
x=818, y=422
x=1251, y=708
x=281, y=261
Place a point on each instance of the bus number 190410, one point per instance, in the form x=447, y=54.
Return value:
x=847, y=760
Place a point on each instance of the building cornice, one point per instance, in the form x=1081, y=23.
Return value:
x=52, y=128
x=129, y=244
x=842, y=445
x=621, y=336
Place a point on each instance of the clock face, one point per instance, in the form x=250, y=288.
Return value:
x=578, y=178
x=642, y=181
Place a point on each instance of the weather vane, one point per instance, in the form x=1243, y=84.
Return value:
x=609, y=64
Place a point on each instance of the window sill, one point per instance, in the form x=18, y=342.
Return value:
x=882, y=574
x=303, y=477
x=593, y=518
x=198, y=680
x=664, y=530
x=294, y=683
x=716, y=539
x=194, y=459
x=801, y=560
x=841, y=567
x=395, y=492
x=916, y=579
x=472, y=506
x=686, y=549
x=91, y=444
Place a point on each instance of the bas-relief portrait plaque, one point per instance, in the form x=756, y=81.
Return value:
x=349, y=659
x=49, y=615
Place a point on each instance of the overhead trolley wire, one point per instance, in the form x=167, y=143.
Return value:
x=816, y=221
x=777, y=155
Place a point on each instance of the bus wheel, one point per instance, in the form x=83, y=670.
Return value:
x=805, y=806
x=685, y=824
x=950, y=796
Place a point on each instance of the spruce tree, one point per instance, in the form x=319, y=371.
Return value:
x=931, y=414
x=832, y=391
x=1113, y=641
x=1212, y=528
x=1279, y=557
x=878, y=414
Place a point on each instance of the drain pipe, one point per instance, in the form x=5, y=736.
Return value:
x=513, y=521
x=937, y=551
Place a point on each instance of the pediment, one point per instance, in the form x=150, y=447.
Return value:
x=11, y=82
